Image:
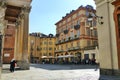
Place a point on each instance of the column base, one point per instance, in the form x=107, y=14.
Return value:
x=109, y=72
x=24, y=65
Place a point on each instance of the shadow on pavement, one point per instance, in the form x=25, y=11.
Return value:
x=6, y=69
x=64, y=67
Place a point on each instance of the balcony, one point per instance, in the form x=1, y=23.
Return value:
x=38, y=48
x=65, y=31
x=57, y=42
x=76, y=27
x=67, y=40
x=89, y=47
x=76, y=37
x=57, y=35
x=62, y=40
x=57, y=51
x=74, y=48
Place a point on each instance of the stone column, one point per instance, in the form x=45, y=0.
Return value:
x=23, y=63
x=2, y=26
x=107, y=38
x=17, y=40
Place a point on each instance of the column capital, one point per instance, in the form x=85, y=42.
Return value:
x=3, y=4
x=17, y=23
x=21, y=16
x=26, y=9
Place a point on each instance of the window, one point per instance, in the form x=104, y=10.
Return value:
x=50, y=43
x=95, y=43
x=66, y=27
x=93, y=55
x=78, y=32
x=86, y=56
x=95, y=33
x=45, y=42
x=61, y=47
x=50, y=54
x=88, y=43
x=45, y=54
x=72, y=34
x=88, y=32
x=71, y=44
x=78, y=43
x=72, y=26
x=94, y=23
x=66, y=46
x=40, y=43
x=87, y=22
x=78, y=22
x=50, y=48
x=44, y=48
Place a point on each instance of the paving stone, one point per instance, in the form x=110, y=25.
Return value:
x=54, y=72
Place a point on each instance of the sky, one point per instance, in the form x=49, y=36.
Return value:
x=45, y=13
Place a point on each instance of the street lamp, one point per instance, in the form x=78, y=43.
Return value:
x=99, y=18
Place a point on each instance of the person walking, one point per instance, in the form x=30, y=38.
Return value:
x=12, y=65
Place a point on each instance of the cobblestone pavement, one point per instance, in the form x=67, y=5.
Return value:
x=52, y=72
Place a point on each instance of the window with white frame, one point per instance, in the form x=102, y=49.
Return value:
x=88, y=42
x=78, y=32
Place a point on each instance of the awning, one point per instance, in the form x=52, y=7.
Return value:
x=44, y=57
x=47, y=57
x=66, y=56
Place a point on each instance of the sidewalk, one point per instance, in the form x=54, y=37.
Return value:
x=56, y=72
x=105, y=77
x=52, y=72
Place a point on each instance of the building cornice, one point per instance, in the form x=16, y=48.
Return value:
x=20, y=3
x=101, y=2
x=72, y=13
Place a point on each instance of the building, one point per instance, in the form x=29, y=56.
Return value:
x=9, y=42
x=109, y=36
x=41, y=47
x=15, y=13
x=77, y=36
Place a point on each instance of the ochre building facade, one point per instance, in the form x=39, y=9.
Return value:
x=41, y=48
x=76, y=36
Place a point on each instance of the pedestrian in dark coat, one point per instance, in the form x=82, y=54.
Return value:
x=12, y=65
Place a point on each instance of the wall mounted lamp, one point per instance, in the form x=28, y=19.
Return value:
x=99, y=18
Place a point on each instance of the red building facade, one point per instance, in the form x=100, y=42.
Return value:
x=9, y=42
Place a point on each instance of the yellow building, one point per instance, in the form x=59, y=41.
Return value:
x=77, y=36
x=41, y=47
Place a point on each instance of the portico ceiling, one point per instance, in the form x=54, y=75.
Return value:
x=12, y=13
